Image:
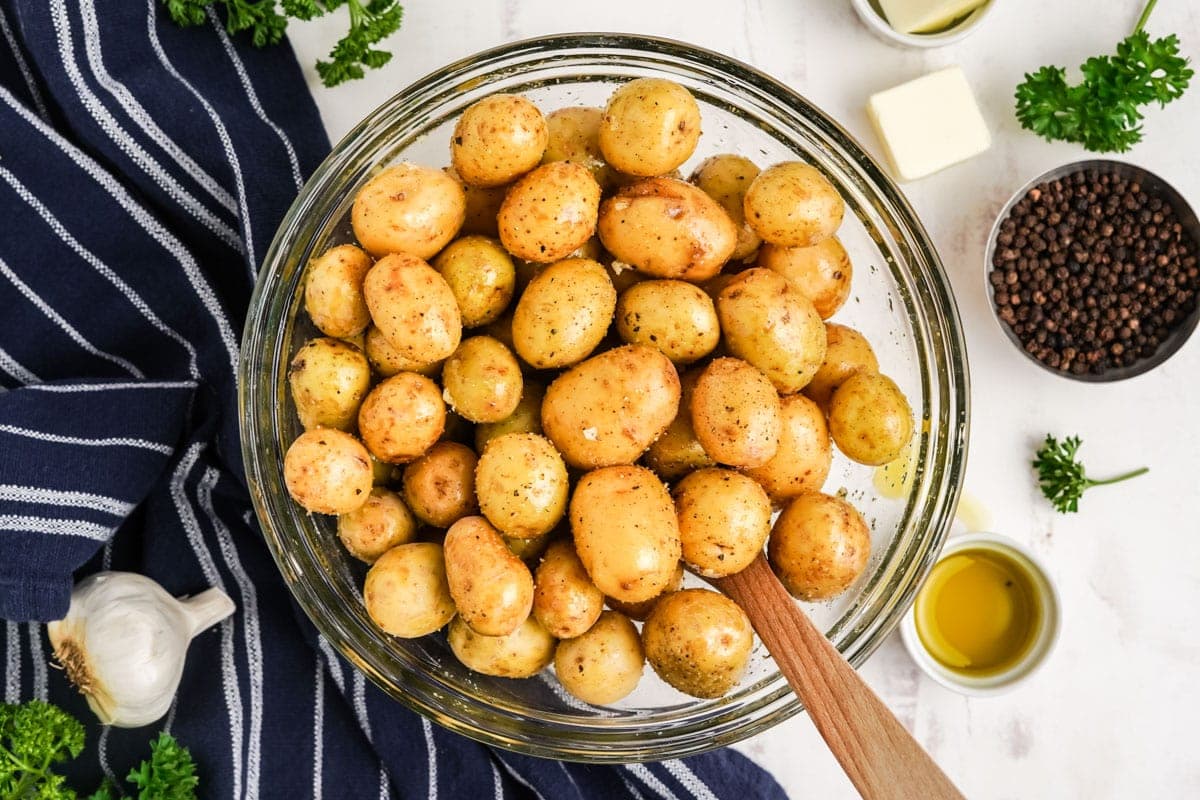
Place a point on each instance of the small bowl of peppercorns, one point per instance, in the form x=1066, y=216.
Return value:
x=1092, y=270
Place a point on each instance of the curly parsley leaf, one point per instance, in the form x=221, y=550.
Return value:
x=33, y=737
x=1061, y=475
x=169, y=774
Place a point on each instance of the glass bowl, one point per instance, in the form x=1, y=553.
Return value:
x=901, y=302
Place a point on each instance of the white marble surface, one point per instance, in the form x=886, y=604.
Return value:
x=1112, y=714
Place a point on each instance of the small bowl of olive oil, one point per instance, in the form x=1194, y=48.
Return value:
x=986, y=617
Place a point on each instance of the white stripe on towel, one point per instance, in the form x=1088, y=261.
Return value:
x=58, y=527
x=108, y=441
x=40, y=496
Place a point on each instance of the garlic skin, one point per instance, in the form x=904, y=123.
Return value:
x=124, y=640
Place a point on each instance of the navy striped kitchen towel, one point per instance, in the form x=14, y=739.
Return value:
x=143, y=169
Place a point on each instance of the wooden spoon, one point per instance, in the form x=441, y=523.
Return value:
x=880, y=757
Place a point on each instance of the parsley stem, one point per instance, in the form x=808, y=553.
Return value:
x=1145, y=15
x=1119, y=478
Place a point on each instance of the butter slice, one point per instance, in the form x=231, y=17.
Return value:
x=929, y=123
x=925, y=16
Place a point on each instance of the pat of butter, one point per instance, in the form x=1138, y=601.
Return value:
x=925, y=16
x=929, y=123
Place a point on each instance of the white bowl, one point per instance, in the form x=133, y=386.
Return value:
x=1045, y=635
x=869, y=13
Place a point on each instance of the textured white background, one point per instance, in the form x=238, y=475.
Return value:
x=1113, y=714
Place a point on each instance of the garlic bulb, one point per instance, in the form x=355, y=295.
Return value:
x=124, y=640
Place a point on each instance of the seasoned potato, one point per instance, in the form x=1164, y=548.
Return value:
x=382, y=473
x=604, y=664
x=408, y=209
x=387, y=361
x=550, y=213
x=482, y=380
x=847, y=352
x=725, y=178
x=563, y=313
x=667, y=229
x=793, y=205
x=565, y=600
x=801, y=464
x=521, y=654
x=818, y=546
x=521, y=482
x=677, y=452
x=406, y=593
x=698, y=641
x=525, y=418
x=650, y=127
x=724, y=519
x=327, y=471
x=498, y=139
x=402, y=417
x=821, y=272
x=869, y=418
x=770, y=324
x=333, y=293
x=492, y=588
x=413, y=307
x=329, y=380
x=439, y=486
x=608, y=409
x=528, y=549
x=575, y=136
x=380, y=524
x=626, y=532
x=641, y=609
x=500, y=329
x=483, y=204
x=676, y=317
x=480, y=274
x=736, y=414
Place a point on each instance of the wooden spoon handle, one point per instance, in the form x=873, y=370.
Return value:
x=880, y=757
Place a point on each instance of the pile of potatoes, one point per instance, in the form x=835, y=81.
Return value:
x=555, y=373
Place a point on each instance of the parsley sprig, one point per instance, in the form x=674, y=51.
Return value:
x=371, y=21
x=1102, y=112
x=1062, y=477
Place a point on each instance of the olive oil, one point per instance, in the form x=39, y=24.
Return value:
x=978, y=614
x=894, y=479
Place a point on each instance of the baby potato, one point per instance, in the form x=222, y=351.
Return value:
x=500, y=329
x=650, y=127
x=413, y=307
x=575, y=136
x=565, y=600
x=527, y=549
x=793, y=205
x=677, y=452
x=676, y=317
x=724, y=519
x=818, y=546
x=622, y=275
x=380, y=524
x=439, y=486
x=698, y=641
x=725, y=178
x=550, y=213
x=406, y=593
x=604, y=664
x=329, y=380
x=498, y=139
x=333, y=293
x=483, y=204
x=492, y=588
x=387, y=361
x=402, y=417
x=847, y=352
x=667, y=229
x=563, y=313
x=521, y=654
x=736, y=414
x=327, y=471
x=821, y=272
x=770, y=324
x=482, y=380
x=408, y=209
x=626, y=532
x=642, y=609
x=480, y=274
x=610, y=408
x=869, y=418
x=522, y=486
x=801, y=464
x=382, y=473
x=525, y=418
